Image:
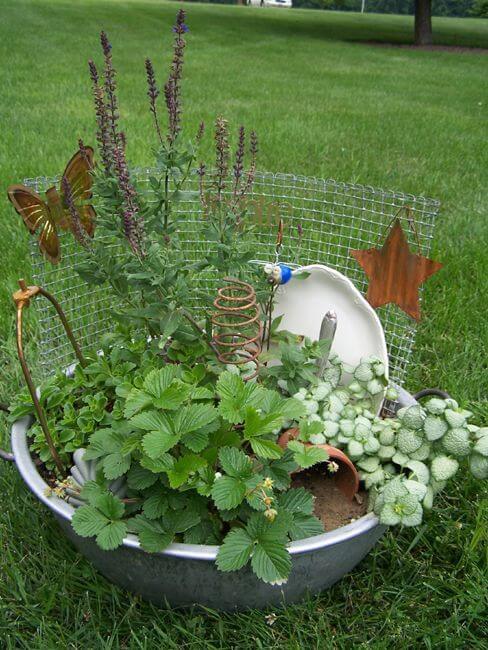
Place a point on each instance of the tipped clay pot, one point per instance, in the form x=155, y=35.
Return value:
x=346, y=478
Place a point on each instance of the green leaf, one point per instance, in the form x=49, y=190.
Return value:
x=173, y=397
x=157, y=443
x=88, y=521
x=304, y=526
x=289, y=408
x=312, y=428
x=156, y=505
x=203, y=533
x=235, y=551
x=228, y=492
x=194, y=417
x=280, y=470
x=257, y=425
x=154, y=541
x=261, y=528
x=271, y=561
x=115, y=465
x=112, y=535
x=299, y=503
x=236, y=396
x=169, y=324
x=234, y=462
x=102, y=442
x=200, y=392
x=140, y=478
x=297, y=500
x=165, y=390
x=183, y=468
x=158, y=380
x=158, y=465
x=196, y=440
x=255, y=497
x=266, y=448
x=153, y=535
x=152, y=421
x=307, y=456
x=123, y=389
x=131, y=443
x=90, y=491
x=135, y=402
x=181, y=520
x=110, y=505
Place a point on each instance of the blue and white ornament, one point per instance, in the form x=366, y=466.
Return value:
x=278, y=273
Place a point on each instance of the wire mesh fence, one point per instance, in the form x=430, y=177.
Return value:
x=323, y=221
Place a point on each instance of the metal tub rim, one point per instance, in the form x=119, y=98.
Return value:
x=61, y=508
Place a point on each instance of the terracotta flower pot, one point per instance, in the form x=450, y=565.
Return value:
x=347, y=477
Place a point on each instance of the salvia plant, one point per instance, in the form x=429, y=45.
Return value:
x=137, y=249
x=184, y=447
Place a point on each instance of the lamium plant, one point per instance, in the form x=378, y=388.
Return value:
x=192, y=443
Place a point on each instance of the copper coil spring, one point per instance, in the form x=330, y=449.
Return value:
x=237, y=328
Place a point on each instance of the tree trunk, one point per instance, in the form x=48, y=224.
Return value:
x=423, y=22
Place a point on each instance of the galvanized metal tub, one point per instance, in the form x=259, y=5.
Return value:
x=186, y=574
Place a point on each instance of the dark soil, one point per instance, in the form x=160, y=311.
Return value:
x=331, y=506
x=455, y=49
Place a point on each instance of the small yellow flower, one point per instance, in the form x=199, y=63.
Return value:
x=268, y=482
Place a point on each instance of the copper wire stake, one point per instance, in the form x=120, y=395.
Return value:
x=22, y=299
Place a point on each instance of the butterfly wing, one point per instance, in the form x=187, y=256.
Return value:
x=78, y=173
x=37, y=217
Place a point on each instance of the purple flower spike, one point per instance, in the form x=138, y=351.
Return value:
x=181, y=29
x=172, y=88
x=76, y=226
x=103, y=131
x=153, y=94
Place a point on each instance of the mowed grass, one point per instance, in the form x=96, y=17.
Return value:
x=325, y=105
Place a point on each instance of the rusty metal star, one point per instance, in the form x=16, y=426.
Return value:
x=395, y=274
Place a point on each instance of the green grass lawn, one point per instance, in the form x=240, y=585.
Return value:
x=324, y=104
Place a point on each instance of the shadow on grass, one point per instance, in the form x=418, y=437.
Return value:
x=371, y=29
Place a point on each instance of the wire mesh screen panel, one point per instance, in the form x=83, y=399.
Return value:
x=323, y=221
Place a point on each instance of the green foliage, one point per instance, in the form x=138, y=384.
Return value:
x=197, y=448
x=306, y=456
x=417, y=451
x=297, y=368
x=263, y=541
x=479, y=9
x=102, y=517
x=439, y=7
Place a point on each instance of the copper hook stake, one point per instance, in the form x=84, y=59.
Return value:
x=22, y=299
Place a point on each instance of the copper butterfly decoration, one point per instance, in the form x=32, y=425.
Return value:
x=45, y=217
